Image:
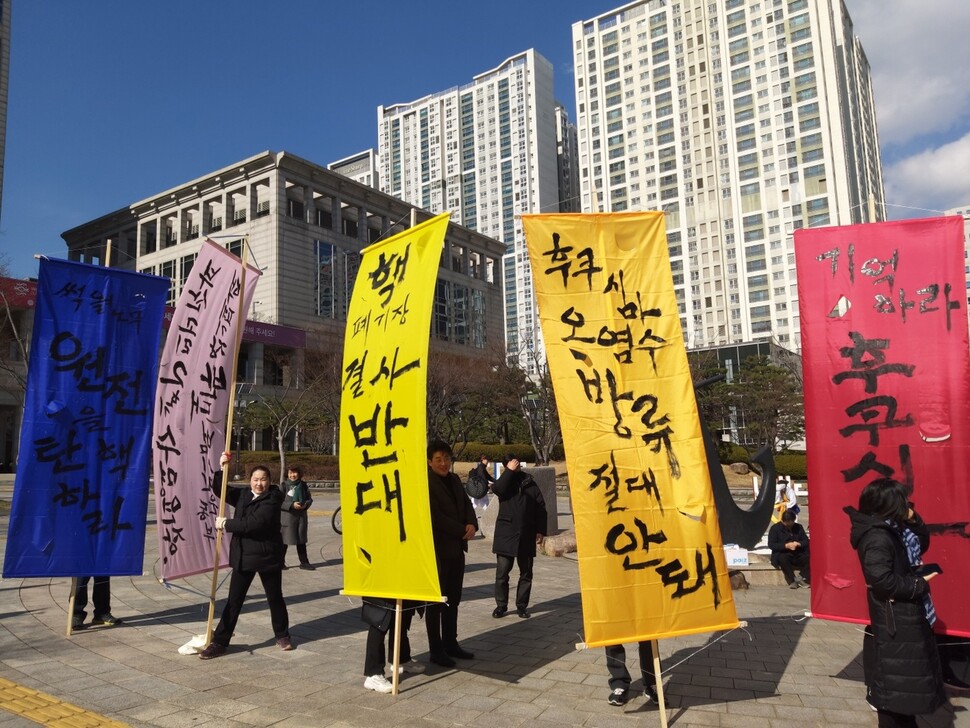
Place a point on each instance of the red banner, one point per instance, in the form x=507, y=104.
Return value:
x=885, y=354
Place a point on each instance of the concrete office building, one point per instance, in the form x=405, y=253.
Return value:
x=743, y=120
x=361, y=167
x=306, y=227
x=487, y=151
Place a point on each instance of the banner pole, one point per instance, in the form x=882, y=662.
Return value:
x=240, y=323
x=70, y=607
x=658, y=682
x=397, y=646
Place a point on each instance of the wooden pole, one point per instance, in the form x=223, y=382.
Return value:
x=397, y=646
x=70, y=607
x=658, y=682
x=240, y=324
x=107, y=255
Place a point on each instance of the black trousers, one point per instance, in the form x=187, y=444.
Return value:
x=620, y=675
x=374, y=650
x=888, y=719
x=442, y=619
x=523, y=590
x=239, y=584
x=300, y=552
x=101, y=595
x=791, y=560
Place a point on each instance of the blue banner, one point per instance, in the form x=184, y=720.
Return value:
x=81, y=492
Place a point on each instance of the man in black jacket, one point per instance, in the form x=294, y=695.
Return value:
x=789, y=550
x=256, y=548
x=520, y=526
x=453, y=524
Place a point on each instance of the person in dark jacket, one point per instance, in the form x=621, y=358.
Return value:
x=480, y=472
x=453, y=524
x=519, y=527
x=379, y=615
x=256, y=548
x=296, y=503
x=789, y=550
x=899, y=653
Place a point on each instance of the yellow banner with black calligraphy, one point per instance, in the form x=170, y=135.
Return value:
x=388, y=546
x=651, y=562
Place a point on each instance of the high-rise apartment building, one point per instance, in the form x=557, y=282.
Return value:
x=743, y=120
x=964, y=212
x=487, y=151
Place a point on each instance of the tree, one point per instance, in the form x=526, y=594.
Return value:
x=461, y=397
x=13, y=347
x=770, y=403
x=324, y=368
x=287, y=408
x=503, y=421
x=541, y=413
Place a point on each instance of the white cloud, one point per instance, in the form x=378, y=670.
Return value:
x=918, y=52
x=935, y=179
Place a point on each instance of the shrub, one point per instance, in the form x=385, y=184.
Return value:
x=793, y=464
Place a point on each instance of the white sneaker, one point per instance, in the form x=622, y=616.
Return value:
x=378, y=683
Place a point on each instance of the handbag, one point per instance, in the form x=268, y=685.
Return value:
x=476, y=486
x=377, y=613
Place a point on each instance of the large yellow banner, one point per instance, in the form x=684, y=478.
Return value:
x=651, y=562
x=388, y=547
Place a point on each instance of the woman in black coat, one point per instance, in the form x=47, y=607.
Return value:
x=899, y=654
x=256, y=548
x=520, y=525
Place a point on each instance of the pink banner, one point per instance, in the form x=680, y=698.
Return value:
x=885, y=354
x=193, y=399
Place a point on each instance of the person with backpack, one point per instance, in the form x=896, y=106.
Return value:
x=519, y=528
x=477, y=487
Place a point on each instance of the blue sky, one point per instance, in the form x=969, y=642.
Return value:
x=112, y=101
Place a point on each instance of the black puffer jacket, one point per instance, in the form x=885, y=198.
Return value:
x=899, y=654
x=257, y=541
x=521, y=514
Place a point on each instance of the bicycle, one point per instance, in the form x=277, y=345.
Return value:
x=337, y=522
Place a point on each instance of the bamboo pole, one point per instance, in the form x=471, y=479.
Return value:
x=398, y=613
x=240, y=324
x=658, y=682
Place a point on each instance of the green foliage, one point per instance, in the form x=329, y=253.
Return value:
x=793, y=464
x=729, y=452
x=315, y=467
x=496, y=452
x=762, y=406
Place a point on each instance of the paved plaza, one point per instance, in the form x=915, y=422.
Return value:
x=783, y=669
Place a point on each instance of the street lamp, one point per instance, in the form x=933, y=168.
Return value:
x=237, y=426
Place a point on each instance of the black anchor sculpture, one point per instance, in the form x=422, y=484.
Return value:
x=742, y=526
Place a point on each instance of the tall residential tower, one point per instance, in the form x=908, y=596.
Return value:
x=742, y=120
x=487, y=151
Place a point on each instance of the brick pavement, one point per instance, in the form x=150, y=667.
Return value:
x=782, y=670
